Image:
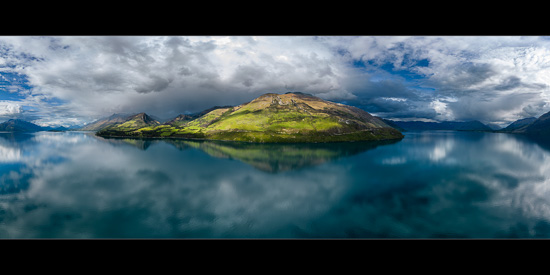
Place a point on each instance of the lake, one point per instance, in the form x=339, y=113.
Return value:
x=432, y=184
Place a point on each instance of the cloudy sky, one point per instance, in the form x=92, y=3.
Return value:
x=69, y=80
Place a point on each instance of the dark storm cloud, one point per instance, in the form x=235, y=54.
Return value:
x=457, y=79
x=248, y=75
x=509, y=83
x=514, y=82
x=155, y=84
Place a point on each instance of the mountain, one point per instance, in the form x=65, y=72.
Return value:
x=132, y=123
x=121, y=122
x=290, y=117
x=518, y=125
x=17, y=125
x=540, y=127
x=105, y=122
x=473, y=125
x=536, y=128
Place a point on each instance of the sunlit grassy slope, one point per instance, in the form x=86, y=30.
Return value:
x=291, y=117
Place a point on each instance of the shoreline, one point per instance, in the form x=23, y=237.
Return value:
x=260, y=142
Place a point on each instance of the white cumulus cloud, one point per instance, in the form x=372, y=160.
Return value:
x=9, y=108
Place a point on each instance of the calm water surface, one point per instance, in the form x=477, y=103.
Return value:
x=433, y=184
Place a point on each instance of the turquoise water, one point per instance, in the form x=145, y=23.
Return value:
x=433, y=184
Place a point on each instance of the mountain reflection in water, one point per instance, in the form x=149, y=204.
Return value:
x=276, y=158
x=268, y=157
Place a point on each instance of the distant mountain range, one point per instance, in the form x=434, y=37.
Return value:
x=18, y=125
x=534, y=127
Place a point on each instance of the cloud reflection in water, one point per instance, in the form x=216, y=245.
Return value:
x=75, y=185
